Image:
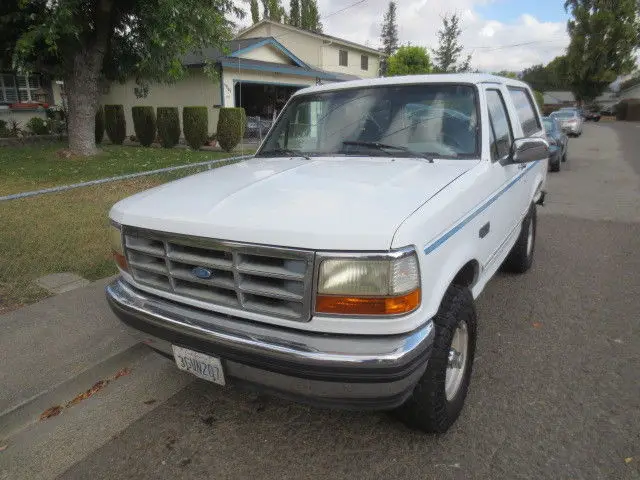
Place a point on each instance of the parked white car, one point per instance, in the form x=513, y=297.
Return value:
x=341, y=264
x=570, y=120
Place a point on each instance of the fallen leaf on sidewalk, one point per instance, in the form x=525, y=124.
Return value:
x=149, y=402
x=3, y=448
x=51, y=412
x=537, y=325
x=99, y=385
x=122, y=373
x=628, y=460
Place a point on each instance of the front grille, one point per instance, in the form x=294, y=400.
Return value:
x=268, y=280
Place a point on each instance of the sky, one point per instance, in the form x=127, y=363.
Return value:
x=499, y=34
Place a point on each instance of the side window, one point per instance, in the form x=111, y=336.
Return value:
x=501, y=135
x=343, y=58
x=364, y=62
x=526, y=111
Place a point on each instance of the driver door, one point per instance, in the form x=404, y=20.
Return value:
x=504, y=175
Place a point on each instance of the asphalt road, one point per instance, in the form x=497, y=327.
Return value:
x=555, y=391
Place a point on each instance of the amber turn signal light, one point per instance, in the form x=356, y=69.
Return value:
x=338, y=304
x=121, y=261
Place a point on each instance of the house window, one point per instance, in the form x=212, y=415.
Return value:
x=343, y=58
x=27, y=85
x=8, y=91
x=364, y=62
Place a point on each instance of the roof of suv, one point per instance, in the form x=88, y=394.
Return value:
x=468, y=78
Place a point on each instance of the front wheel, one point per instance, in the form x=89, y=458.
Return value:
x=520, y=258
x=437, y=399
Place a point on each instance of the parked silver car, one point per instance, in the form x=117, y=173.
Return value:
x=570, y=121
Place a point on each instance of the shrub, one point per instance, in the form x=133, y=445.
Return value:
x=115, y=123
x=231, y=125
x=4, y=131
x=99, y=125
x=38, y=126
x=144, y=123
x=168, y=126
x=196, y=126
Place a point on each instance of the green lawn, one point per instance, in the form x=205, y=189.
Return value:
x=61, y=232
x=32, y=167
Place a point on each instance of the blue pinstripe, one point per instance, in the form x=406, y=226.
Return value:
x=446, y=236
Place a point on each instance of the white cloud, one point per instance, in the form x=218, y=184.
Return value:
x=494, y=45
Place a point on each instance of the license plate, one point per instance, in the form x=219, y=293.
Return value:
x=199, y=364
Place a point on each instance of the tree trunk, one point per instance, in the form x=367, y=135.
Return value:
x=82, y=101
x=82, y=85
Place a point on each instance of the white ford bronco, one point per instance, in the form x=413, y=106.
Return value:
x=340, y=264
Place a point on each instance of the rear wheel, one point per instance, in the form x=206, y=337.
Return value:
x=438, y=398
x=521, y=256
x=555, y=164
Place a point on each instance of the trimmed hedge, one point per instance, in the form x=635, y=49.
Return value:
x=168, y=126
x=99, y=125
x=115, y=123
x=195, y=123
x=144, y=124
x=231, y=125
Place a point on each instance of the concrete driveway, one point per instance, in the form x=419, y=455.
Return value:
x=555, y=391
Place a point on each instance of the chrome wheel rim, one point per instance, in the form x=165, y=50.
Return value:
x=457, y=361
x=530, y=238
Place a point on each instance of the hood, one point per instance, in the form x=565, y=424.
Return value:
x=341, y=203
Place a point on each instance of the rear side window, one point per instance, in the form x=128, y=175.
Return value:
x=526, y=111
x=501, y=136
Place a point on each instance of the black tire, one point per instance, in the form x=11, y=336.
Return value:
x=428, y=409
x=564, y=157
x=555, y=166
x=520, y=258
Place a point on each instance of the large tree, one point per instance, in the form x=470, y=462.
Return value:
x=310, y=16
x=294, y=13
x=255, y=11
x=275, y=10
x=84, y=41
x=389, y=35
x=553, y=76
x=449, y=51
x=604, y=37
x=409, y=60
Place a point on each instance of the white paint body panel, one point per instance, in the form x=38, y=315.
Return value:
x=359, y=204
x=319, y=204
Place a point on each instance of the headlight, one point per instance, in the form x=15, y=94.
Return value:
x=369, y=286
x=115, y=239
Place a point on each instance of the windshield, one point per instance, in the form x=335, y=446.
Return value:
x=564, y=114
x=431, y=120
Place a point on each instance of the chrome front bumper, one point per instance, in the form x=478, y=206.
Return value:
x=347, y=371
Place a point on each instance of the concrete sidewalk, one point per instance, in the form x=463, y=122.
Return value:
x=55, y=350
x=50, y=342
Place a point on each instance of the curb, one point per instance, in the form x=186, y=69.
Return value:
x=20, y=416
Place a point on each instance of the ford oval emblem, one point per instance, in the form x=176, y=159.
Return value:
x=201, y=272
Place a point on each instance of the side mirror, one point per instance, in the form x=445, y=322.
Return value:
x=525, y=150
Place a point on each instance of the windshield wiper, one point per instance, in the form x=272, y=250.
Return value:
x=385, y=146
x=286, y=151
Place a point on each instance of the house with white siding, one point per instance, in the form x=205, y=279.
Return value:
x=262, y=67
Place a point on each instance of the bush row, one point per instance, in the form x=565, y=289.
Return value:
x=165, y=125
